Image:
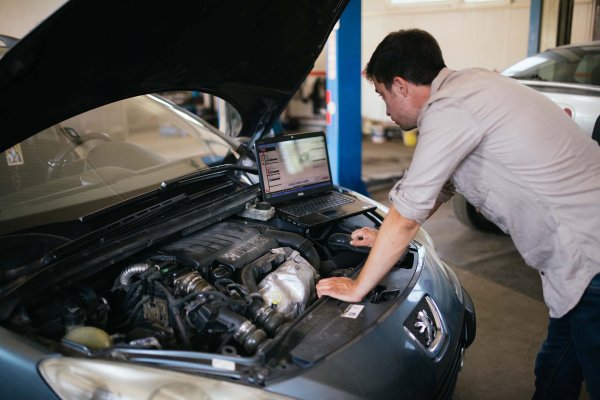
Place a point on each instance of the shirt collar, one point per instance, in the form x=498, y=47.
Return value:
x=439, y=79
x=436, y=84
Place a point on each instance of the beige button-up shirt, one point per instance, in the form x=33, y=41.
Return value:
x=527, y=166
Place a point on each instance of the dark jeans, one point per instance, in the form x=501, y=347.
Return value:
x=571, y=352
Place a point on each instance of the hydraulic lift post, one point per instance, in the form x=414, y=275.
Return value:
x=344, y=133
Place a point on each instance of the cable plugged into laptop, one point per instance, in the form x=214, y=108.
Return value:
x=260, y=211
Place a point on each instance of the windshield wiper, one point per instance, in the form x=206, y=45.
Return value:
x=203, y=175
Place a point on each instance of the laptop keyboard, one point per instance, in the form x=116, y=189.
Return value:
x=311, y=206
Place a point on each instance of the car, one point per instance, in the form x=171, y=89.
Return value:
x=139, y=257
x=570, y=76
x=6, y=42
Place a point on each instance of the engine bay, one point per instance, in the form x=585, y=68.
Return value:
x=230, y=289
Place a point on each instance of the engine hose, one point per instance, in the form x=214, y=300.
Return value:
x=177, y=319
x=289, y=239
x=12, y=273
x=251, y=273
x=30, y=245
x=266, y=317
x=129, y=272
x=244, y=332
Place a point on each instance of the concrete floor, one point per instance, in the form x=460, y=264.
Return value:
x=511, y=314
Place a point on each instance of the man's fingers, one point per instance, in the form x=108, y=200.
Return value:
x=358, y=237
x=363, y=237
x=358, y=234
x=341, y=288
x=326, y=286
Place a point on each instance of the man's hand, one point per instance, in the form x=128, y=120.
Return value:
x=364, y=237
x=341, y=288
x=393, y=237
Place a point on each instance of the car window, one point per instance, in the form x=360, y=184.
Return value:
x=566, y=65
x=153, y=124
x=212, y=109
x=101, y=157
x=588, y=70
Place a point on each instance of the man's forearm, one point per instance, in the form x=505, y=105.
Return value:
x=393, y=238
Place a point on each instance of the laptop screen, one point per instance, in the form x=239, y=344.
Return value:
x=293, y=166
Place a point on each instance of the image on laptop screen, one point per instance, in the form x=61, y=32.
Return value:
x=293, y=166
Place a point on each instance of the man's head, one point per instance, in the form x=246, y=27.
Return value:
x=402, y=69
x=413, y=55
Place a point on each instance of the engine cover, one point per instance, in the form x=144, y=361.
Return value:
x=228, y=243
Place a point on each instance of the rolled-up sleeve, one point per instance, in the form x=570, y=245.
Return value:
x=447, y=134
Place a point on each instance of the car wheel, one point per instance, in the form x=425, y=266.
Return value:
x=469, y=216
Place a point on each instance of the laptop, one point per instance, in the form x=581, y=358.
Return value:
x=295, y=177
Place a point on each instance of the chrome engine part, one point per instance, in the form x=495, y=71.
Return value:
x=291, y=285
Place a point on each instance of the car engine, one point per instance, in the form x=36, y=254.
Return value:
x=229, y=289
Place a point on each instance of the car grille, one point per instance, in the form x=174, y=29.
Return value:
x=426, y=326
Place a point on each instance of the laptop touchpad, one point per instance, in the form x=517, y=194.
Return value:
x=329, y=213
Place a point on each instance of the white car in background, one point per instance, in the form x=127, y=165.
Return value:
x=6, y=42
x=570, y=76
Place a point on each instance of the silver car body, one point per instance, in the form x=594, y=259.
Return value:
x=581, y=102
x=569, y=75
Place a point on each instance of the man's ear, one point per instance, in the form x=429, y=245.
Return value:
x=401, y=85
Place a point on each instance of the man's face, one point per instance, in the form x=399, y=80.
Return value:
x=400, y=104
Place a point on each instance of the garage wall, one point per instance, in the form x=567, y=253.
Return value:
x=583, y=21
x=17, y=17
x=491, y=36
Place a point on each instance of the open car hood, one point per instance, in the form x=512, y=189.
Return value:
x=254, y=54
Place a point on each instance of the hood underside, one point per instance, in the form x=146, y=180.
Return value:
x=254, y=54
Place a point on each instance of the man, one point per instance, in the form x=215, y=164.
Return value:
x=518, y=158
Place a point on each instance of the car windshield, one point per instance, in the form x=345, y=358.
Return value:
x=102, y=157
x=574, y=64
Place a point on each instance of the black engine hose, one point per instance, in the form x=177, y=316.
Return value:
x=38, y=250
x=289, y=239
x=266, y=317
x=253, y=272
x=178, y=320
x=17, y=272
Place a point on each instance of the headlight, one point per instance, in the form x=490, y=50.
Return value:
x=72, y=378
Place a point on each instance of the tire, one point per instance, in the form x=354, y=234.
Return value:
x=469, y=216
